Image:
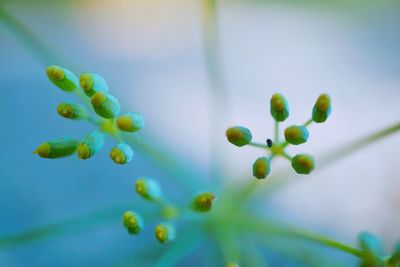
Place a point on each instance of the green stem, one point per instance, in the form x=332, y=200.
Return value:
x=348, y=149
x=259, y=145
x=286, y=156
x=307, y=123
x=218, y=95
x=276, y=137
x=93, y=220
x=258, y=225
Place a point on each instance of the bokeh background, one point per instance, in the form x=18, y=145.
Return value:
x=153, y=54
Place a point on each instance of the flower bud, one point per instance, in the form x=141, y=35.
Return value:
x=279, y=107
x=130, y=122
x=296, y=135
x=92, y=83
x=239, y=136
x=303, y=163
x=371, y=249
x=57, y=148
x=232, y=264
x=121, y=153
x=165, y=233
x=322, y=108
x=92, y=144
x=203, y=202
x=395, y=258
x=62, y=78
x=261, y=168
x=71, y=111
x=105, y=105
x=132, y=222
x=148, y=189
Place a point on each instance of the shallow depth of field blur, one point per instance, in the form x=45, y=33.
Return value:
x=153, y=57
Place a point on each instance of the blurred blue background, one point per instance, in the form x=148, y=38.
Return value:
x=151, y=53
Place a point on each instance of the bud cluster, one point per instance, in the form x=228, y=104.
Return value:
x=294, y=135
x=108, y=118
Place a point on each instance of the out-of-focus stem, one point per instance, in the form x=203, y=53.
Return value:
x=218, y=96
x=260, y=226
x=348, y=149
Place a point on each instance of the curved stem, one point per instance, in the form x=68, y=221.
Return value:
x=259, y=225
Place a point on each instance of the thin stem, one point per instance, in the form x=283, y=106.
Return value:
x=307, y=123
x=286, y=156
x=350, y=148
x=284, y=144
x=259, y=145
x=83, y=223
x=218, y=95
x=276, y=137
x=269, y=228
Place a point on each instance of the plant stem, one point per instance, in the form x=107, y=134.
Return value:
x=259, y=145
x=307, y=123
x=350, y=148
x=259, y=225
x=276, y=137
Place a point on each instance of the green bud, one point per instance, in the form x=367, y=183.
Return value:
x=232, y=264
x=92, y=144
x=62, y=78
x=130, y=122
x=148, y=188
x=71, y=111
x=92, y=83
x=165, y=233
x=261, y=168
x=57, y=148
x=121, y=153
x=371, y=249
x=279, y=107
x=203, y=202
x=303, y=163
x=296, y=135
x=395, y=258
x=132, y=222
x=239, y=136
x=105, y=105
x=322, y=108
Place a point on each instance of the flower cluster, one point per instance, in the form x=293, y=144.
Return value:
x=93, y=90
x=164, y=232
x=294, y=135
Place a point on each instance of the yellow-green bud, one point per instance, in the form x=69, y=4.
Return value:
x=92, y=83
x=71, y=111
x=148, y=189
x=132, y=222
x=121, y=153
x=62, y=78
x=165, y=233
x=261, y=168
x=322, y=108
x=303, y=163
x=105, y=105
x=57, y=148
x=203, y=202
x=371, y=249
x=232, y=264
x=92, y=144
x=130, y=122
x=296, y=135
x=239, y=136
x=279, y=107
